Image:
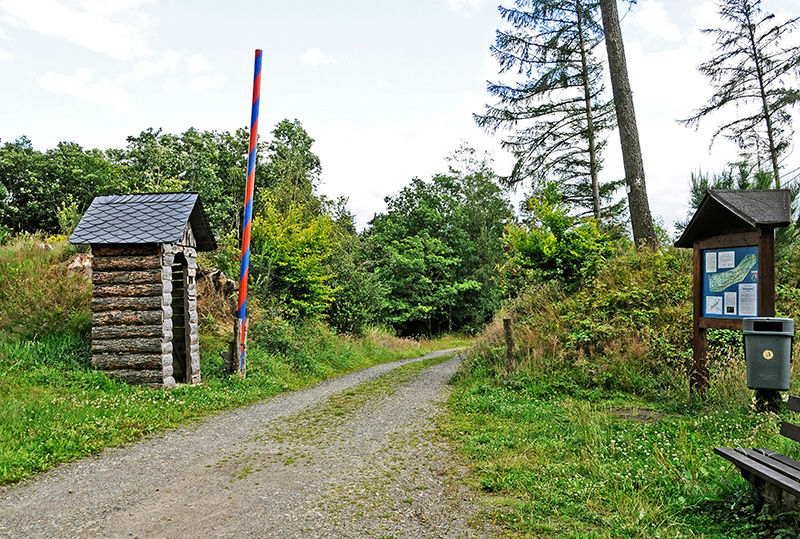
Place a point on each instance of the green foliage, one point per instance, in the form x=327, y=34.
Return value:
x=436, y=248
x=359, y=293
x=293, y=170
x=552, y=244
x=288, y=259
x=210, y=162
x=627, y=329
x=33, y=185
x=227, y=257
x=69, y=215
x=418, y=271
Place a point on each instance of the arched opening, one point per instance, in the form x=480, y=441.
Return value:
x=181, y=362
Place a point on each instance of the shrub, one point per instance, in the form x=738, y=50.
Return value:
x=629, y=329
x=553, y=245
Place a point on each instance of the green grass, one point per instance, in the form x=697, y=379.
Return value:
x=55, y=408
x=556, y=460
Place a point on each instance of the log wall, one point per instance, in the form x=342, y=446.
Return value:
x=132, y=322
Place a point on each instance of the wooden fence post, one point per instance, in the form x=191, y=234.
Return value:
x=508, y=330
x=231, y=357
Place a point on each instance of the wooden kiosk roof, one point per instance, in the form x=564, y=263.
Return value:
x=728, y=211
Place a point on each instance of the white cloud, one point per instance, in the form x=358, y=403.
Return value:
x=197, y=63
x=205, y=81
x=464, y=5
x=84, y=85
x=383, y=84
x=171, y=62
x=89, y=23
x=652, y=16
x=4, y=56
x=109, y=9
x=143, y=69
x=315, y=57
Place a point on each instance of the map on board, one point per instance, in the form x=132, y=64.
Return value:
x=718, y=282
x=730, y=282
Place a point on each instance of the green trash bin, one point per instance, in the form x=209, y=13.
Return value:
x=768, y=352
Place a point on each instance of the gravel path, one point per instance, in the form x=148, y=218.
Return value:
x=359, y=455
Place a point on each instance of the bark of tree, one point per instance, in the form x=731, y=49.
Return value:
x=773, y=153
x=587, y=96
x=641, y=219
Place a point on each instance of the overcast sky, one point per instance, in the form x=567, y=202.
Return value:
x=386, y=88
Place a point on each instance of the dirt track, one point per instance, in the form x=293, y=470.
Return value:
x=355, y=456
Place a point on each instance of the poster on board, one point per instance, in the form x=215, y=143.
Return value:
x=730, y=282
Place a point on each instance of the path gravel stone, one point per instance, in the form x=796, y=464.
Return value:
x=356, y=456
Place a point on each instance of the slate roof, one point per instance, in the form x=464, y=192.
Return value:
x=728, y=211
x=144, y=218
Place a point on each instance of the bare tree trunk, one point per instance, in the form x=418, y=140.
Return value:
x=589, y=119
x=773, y=154
x=641, y=220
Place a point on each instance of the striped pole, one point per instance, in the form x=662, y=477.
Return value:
x=248, y=211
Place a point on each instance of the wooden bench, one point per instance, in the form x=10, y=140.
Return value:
x=775, y=477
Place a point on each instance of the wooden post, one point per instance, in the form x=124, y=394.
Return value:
x=231, y=356
x=509, y=334
x=766, y=272
x=767, y=400
x=698, y=378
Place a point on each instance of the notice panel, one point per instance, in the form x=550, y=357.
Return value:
x=730, y=282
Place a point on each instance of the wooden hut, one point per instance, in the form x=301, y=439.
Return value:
x=144, y=295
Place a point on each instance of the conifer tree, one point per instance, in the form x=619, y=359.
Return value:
x=754, y=73
x=554, y=110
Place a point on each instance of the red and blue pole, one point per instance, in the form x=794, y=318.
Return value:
x=248, y=209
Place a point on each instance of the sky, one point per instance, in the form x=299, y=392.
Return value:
x=387, y=89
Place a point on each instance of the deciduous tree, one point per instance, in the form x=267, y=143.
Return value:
x=436, y=249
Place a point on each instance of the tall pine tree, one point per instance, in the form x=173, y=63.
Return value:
x=554, y=109
x=754, y=73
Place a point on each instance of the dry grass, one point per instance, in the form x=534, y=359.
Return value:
x=217, y=299
x=38, y=295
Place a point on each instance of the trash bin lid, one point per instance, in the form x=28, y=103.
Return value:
x=767, y=325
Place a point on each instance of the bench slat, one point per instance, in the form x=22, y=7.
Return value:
x=781, y=458
x=753, y=466
x=790, y=430
x=793, y=404
x=772, y=462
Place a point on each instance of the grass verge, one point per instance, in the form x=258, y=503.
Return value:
x=558, y=460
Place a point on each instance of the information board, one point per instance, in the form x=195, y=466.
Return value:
x=730, y=282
